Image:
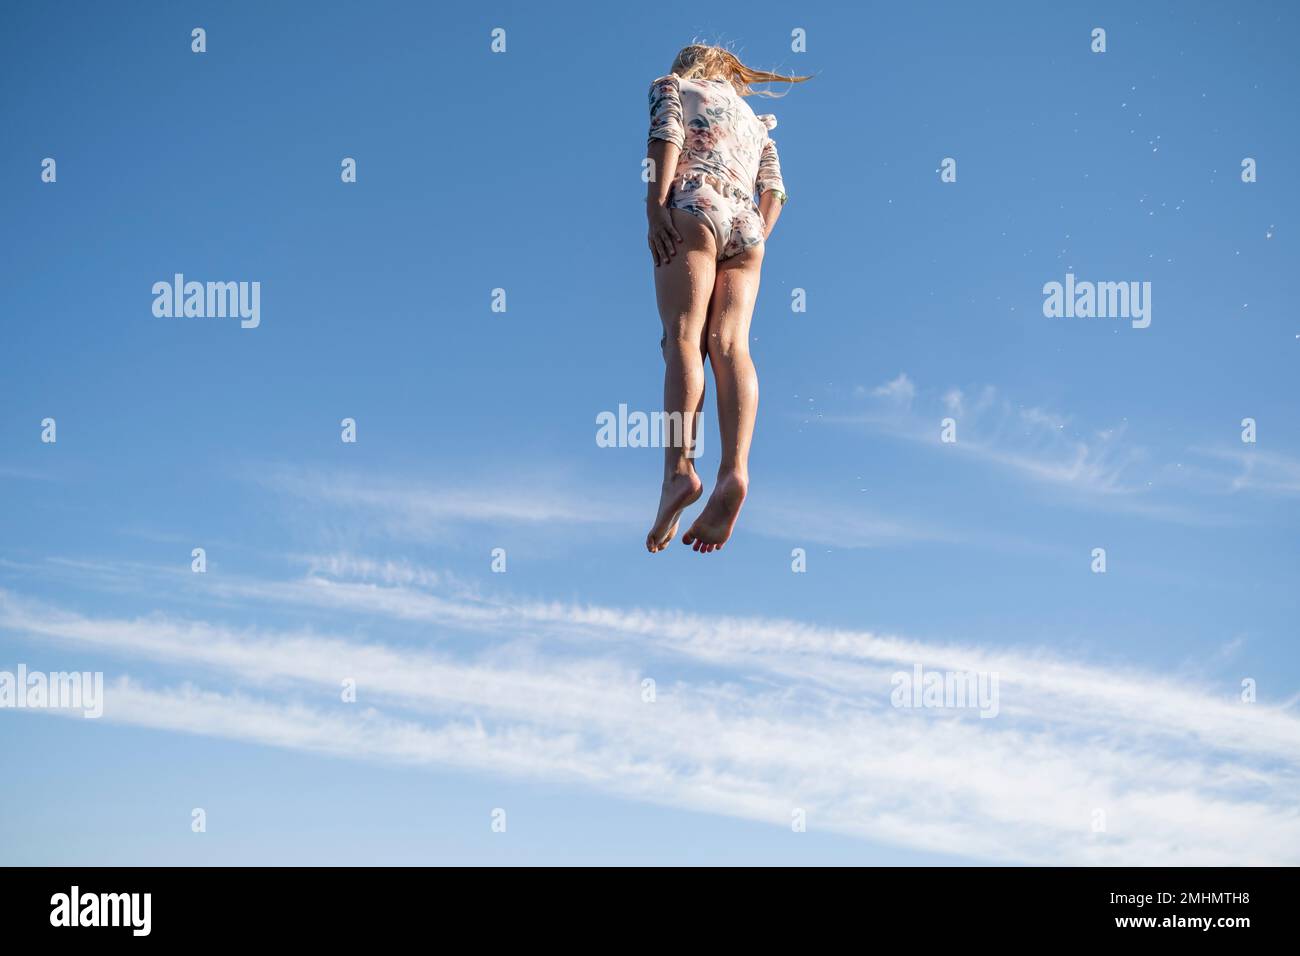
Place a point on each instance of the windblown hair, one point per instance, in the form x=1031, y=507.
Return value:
x=700, y=61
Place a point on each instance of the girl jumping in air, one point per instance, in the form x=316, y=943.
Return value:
x=709, y=154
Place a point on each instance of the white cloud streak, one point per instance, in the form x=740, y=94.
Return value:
x=753, y=718
x=1098, y=468
x=416, y=507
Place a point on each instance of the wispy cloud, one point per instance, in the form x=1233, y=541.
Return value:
x=1093, y=467
x=753, y=717
x=409, y=507
x=413, y=510
x=843, y=525
x=901, y=390
x=1036, y=443
x=1257, y=470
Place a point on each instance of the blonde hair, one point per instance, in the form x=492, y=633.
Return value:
x=701, y=61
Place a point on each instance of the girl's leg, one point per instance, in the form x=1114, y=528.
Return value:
x=735, y=290
x=683, y=288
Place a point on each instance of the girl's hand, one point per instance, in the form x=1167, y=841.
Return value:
x=663, y=234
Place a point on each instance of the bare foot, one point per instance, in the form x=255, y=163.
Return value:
x=713, y=527
x=679, y=492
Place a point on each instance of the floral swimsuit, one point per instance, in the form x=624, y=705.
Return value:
x=726, y=156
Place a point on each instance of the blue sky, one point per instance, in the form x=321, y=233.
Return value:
x=476, y=430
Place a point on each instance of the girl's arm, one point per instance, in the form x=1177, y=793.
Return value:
x=769, y=206
x=662, y=233
x=771, y=186
x=667, y=137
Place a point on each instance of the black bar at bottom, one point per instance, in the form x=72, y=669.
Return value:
x=657, y=906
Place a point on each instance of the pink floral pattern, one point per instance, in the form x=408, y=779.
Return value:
x=726, y=156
